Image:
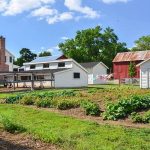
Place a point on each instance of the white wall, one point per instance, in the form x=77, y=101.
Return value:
x=65, y=78
x=10, y=64
x=52, y=65
x=145, y=75
x=99, y=70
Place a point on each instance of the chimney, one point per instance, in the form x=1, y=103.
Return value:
x=2, y=50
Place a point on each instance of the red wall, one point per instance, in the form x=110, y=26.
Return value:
x=121, y=70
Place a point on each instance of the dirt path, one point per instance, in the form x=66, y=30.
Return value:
x=22, y=142
x=79, y=114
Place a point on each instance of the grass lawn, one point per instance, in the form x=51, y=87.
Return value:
x=75, y=134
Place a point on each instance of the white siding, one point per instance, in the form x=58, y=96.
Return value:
x=145, y=75
x=65, y=78
x=10, y=64
x=99, y=70
x=52, y=65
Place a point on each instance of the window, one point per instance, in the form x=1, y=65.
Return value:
x=76, y=75
x=40, y=77
x=45, y=65
x=61, y=64
x=25, y=78
x=32, y=67
x=5, y=59
x=10, y=59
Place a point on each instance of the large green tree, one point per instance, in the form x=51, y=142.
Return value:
x=94, y=44
x=143, y=43
x=45, y=53
x=25, y=56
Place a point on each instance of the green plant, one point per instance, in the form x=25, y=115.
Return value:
x=13, y=99
x=139, y=118
x=69, y=93
x=10, y=126
x=28, y=100
x=90, y=108
x=126, y=106
x=45, y=103
x=67, y=104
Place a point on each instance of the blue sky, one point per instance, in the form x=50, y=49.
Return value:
x=42, y=24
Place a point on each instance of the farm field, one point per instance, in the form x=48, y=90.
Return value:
x=110, y=116
x=69, y=133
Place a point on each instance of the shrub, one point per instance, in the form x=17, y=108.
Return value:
x=11, y=127
x=28, y=100
x=125, y=107
x=136, y=117
x=45, y=103
x=91, y=108
x=67, y=104
x=13, y=99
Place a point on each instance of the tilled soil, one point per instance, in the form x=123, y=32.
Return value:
x=22, y=142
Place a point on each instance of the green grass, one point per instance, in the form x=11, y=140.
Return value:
x=75, y=134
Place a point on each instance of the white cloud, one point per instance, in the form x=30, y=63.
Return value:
x=14, y=7
x=44, y=10
x=114, y=1
x=60, y=17
x=64, y=38
x=76, y=5
x=3, y=4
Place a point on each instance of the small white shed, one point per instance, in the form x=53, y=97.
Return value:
x=97, y=72
x=144, y=74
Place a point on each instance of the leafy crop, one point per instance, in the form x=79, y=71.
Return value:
x=126, y=106
x=136, y=117
x=91, y=108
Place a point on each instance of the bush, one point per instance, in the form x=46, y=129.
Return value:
x=11, y=127
x=67, y=104
x=125, y=107
x=13, y=99
x=28, y=100
x=45, y=103
x=136, y=117
x=90, y=108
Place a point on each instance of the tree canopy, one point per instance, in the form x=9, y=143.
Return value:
x=93, y=44
x=143, y=43
x=45, y=53
x=25, y=56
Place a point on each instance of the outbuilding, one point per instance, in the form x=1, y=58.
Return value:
x=144, y=74
x=97, y=72
x=122, y=61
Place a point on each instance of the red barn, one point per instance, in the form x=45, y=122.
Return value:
x=122, y=60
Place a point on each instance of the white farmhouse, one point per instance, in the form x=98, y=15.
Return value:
x=64, y=72
x=97, y=72
x=9, y=60
x=144, y=73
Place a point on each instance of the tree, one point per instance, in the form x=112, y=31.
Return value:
x=132, y=70
x=45, y=53
x=93, y=44
x=142, y=44
x=25, y=56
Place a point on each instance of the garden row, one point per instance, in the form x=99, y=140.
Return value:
x=61, y=100
x=70, y=99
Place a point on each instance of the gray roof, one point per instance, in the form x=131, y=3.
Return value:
x=89, y=64
x=44, y=59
